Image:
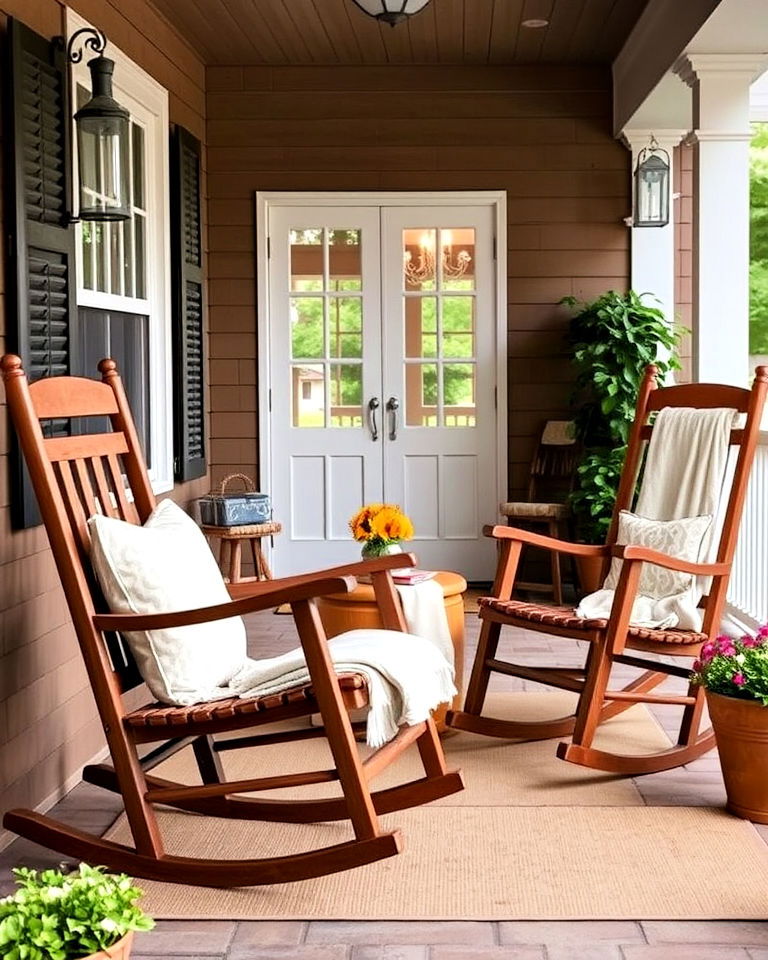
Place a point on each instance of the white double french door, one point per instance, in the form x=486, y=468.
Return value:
x=382, y=372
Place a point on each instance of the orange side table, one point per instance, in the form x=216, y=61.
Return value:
x=357, y=610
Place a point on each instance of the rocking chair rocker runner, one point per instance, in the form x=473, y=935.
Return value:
x=610, y=638
x=79, y=475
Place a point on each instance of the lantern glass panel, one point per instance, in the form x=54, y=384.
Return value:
x=652, y=192
x=102, y=144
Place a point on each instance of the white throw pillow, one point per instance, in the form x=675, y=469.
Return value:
x=678, y=538
x=164, y=566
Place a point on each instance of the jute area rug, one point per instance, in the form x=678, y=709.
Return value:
x=531, y=838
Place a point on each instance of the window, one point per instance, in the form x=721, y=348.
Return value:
x=123, y=306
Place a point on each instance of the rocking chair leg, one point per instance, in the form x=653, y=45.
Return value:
x=481, y=673
x=430, y=752
x=691, y=722
x=341, y=739
x=208, y=761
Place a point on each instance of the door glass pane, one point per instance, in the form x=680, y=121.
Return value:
x=87, y=248
x=459, y=394
x=139, y=227
x=345, y=327
x=308, y=395
x=458, y=326
x=306, y=259
x=420, y=327
x=421, y=394
x=307, y=327
x=346, y=395
x=344, y=260
x=115, y=260
x=458, y=259
x=137, y=150
x=419, y=258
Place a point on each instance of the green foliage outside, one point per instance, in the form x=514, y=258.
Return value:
x=345, y=342
x=613, y=339
x=758, y=240
x=63, y=916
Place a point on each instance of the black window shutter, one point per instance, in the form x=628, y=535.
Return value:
x=187, y=260
x=41, y=251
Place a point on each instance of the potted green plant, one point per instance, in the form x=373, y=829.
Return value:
x=67, y=916
x=734, y=674
x=613, y=339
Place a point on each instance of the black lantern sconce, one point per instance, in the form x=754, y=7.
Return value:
x=391, y=11
x=652, y=187
x=103, y=130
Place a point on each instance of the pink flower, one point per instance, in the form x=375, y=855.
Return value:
x=697, y=665
x=727, y=648
x=763, y=631
x=747, y=641
x=739, y=679
x=708, y=650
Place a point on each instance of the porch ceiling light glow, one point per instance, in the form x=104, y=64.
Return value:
x=391, y=11
x=652, y=187
x=102, y=137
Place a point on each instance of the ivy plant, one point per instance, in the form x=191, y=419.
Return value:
x=613, y=339
x=64, y=916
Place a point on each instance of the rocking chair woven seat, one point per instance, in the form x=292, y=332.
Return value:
x=354, y=692
x=615, y=640
x=91, y=470
x=519, y=613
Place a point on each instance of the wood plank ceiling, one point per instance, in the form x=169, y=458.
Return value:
x=446, y=31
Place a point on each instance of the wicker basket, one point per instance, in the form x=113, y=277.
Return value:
x=235, y=509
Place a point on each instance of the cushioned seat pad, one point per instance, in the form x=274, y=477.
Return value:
x=544, y=511
x=565, y=618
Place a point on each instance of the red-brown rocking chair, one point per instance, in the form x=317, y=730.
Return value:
x=79, y=475
x=609, y=639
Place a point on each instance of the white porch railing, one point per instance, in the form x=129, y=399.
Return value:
x=748, y=587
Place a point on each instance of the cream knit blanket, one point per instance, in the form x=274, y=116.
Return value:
x=685, y=475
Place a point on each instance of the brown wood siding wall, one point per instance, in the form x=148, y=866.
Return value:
x=540, y=133
x=48, y=722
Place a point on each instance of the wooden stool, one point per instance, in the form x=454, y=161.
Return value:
x=232, y=539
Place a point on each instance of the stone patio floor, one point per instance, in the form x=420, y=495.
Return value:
x=699, y=783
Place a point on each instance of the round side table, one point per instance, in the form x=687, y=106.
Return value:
x=340, y=612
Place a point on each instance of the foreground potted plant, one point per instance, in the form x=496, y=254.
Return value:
x=613, y=339
x=734, y=674
x=67, y=916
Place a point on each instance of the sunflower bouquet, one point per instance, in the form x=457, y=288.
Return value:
x=379, y=526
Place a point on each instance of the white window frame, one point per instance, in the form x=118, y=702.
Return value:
x=132, y=85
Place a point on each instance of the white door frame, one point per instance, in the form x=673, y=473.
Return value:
x=497, y=199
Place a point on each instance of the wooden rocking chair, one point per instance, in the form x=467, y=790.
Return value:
x=79, y=475
x=608, y=639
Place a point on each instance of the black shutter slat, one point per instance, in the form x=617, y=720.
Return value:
x=41, y=249
x=188, y=301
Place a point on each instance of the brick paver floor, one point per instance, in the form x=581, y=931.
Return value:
x=699, y=783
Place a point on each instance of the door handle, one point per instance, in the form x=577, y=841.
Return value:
x=373, y=406
x=393, y=405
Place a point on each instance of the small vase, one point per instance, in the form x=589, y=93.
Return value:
x=373, y=549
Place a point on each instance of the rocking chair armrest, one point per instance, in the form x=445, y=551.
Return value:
x=265, y=594
x=501, y=532
x=647, y=555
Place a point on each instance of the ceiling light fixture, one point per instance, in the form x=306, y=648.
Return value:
x=391, y=11
x=535, y=23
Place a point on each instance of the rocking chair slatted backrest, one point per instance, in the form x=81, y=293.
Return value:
x=80, y=475
x=651, y=399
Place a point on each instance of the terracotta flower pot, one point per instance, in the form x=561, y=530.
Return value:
x=118, y=951
x=590, y=571
x=741, y=731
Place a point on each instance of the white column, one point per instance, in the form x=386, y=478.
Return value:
x=652, y=265
x=721, y=135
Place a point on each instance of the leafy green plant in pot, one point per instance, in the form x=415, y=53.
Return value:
x=69, y=916
x=613, y=339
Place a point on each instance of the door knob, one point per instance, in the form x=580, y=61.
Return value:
x=373, y=406
x=393, y=405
